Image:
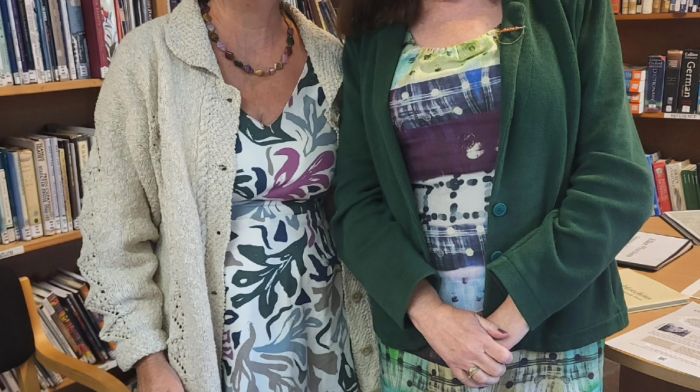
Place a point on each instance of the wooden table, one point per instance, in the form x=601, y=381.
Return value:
x=639, y=375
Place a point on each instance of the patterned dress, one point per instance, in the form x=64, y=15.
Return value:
x=445, y=105
x=284, y=328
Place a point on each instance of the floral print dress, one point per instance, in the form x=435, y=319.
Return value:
x=445, y=105
x=283, y=326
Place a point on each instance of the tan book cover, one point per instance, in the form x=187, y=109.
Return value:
x=644, y=293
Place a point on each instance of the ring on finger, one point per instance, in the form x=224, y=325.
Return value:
x=472, y=372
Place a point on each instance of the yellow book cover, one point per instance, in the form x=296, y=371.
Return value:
x=644, y=293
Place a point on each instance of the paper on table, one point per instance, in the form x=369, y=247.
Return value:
x=652, y=251
x=693, y=290
x=672, y=341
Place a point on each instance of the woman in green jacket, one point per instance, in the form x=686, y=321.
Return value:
x=488, y=172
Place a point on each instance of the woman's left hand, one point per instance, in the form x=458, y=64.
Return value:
x=509, y=318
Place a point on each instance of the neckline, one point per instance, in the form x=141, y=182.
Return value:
x=304, y=72
x=410, y=39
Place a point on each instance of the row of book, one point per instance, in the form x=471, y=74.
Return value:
x=71, y=328
x=41, y=182
x=632, y=7
x=677, y=184
x=669, y=84
x=321, y=12
x=59, y=40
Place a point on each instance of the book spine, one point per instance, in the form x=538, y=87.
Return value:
x=78, y=38
x=11, y=39
x=43, y=40
x=51, y=42
x=58, y=41
x=651, y=158
x=95, y=34
x=110, y=29
x=656, y=6
x=674, y=60
x=18, y=195
x=647, y=6
x=8, y=230
x=71, y=54
x=83, y=155
x=83, y=329
x=10, y=193
x=666, y=6
x=55, y=184
x=72, y=330
x=73, y=185
x=41, y=166
x=31, y=192
x=34, y=39
x=66, y=195
x=51, y=329
x=691, y=197
x=690, y=77
x=656, y=69
x=662, y=186
x=20, y=17
x=7, y=69
x=624, y=9
x=675, y=187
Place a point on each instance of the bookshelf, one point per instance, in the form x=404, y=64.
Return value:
x=675, y=136
x=25, y=110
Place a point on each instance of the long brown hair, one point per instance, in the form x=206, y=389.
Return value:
x=359, y=16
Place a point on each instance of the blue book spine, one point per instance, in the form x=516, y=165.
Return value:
x=12, y=212
x=43, y=41
x=23, y=46
x=656, y=70
x=78, y=38
x=11, y=35
x=16, y=191
x=7, y=67
x=651, y=158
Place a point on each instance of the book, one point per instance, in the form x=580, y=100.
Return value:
x=78, y=38
x=71, y=54
x=30, y=73
x=647, y=6
x=689, y=80
x=656, y=68
x=59, y=44
x=14, y=214
x=656, y=6
x=44, y=40
x=43, y=181
x=643, y=293
x=675, y=184
x=693, y=290
x=17, y=192
x=34, y=39
x=7, y=229
x=31, y=192
x=11, y=41
x=666, y=6
x=689, y=177
x=652, y=252
x=95, y=35
x=674, y=59
x=686, y=222
x=651, y=158
x=6, y=71
x=66, y=195
x=51, y=176
x=662, y=186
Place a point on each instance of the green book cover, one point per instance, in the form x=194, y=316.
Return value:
x=690, y=187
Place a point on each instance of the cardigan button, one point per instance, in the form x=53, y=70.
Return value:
x=357, y=297
x=500, y=209
x=367, y=351
x=495, y=255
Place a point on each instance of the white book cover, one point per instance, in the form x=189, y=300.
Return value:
x=34, y=40
x=21, y=202
x=67, y=42
x=31, y=192
x=6, y=78
x=58, y=184
x=647, y=6
x=675, y=184
x=55, y=207
x=652, y=251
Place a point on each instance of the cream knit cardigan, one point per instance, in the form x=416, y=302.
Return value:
x=157, y=206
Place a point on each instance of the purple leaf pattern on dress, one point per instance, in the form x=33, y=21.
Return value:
x=286, y=188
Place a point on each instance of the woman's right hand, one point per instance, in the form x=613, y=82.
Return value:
x=462, y=339
x=154, y=374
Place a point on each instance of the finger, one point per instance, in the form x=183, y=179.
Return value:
x=462, y=376
x=489, y=366
x=492, y=329
x=499, y=353
x=481, y=378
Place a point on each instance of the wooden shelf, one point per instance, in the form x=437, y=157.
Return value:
x=21, y=247
x=28, y=89
x=69, y=384
x=669, y=116
x=662, y=16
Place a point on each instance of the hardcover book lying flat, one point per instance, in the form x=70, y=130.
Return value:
x=643, y=293
x=652, y=251
x=686, y=222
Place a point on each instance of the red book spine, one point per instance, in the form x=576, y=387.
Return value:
x=95, y=35
x=83, y=349
x=616, y=6
x=662, y=186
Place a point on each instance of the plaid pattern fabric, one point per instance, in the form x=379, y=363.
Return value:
x=579, y=370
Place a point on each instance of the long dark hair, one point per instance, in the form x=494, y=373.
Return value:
x=359, y=16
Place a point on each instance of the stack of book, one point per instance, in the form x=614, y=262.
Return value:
x=41, y=182
x=669, y=83
x=69, y=326
x=631, y=7
x=59, y=40
x=677, y=184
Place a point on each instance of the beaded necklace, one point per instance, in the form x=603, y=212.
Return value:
x=247, y=68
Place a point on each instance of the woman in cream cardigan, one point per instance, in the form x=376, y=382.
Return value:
x=205, y=242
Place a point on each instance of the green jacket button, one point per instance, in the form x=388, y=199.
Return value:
x=500, y=209
x=495, y=255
